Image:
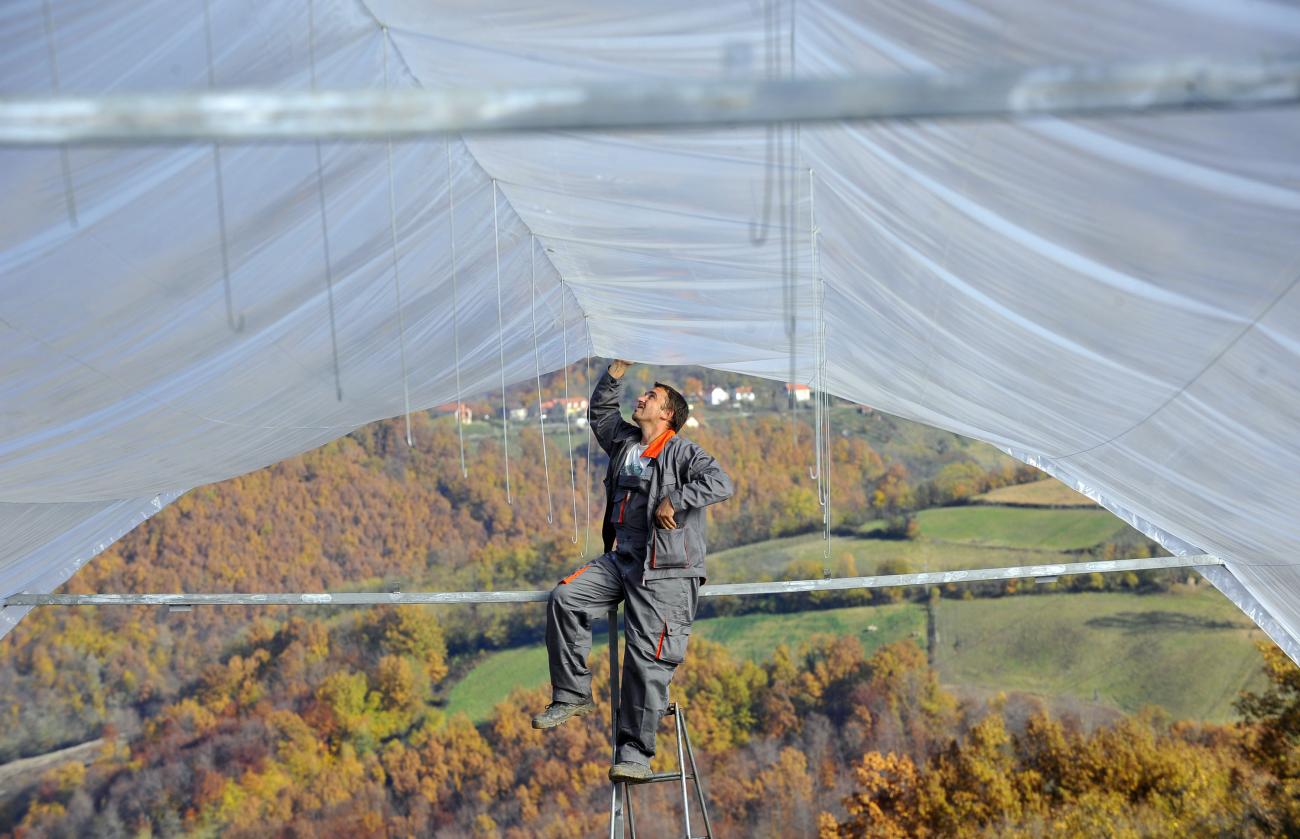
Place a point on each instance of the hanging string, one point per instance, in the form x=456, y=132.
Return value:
x=537, y=357
x=591, y=439
x=69, y=194
x=789, y=236
x=397, y=282
x=235, y=325
x=455, y=305
x=824, y=444
x=758, y=232
x=816, y=472
x=828, y=460
x=789, y=276
x=501, y=344
x=324, y=221
x=777, y=168
x=568, y=426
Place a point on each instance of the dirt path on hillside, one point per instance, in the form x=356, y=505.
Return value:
x=21, y=773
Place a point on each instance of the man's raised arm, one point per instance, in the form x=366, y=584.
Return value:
x=707, y=483
x=602, y=410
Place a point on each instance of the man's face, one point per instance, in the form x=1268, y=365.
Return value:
x=653, y=404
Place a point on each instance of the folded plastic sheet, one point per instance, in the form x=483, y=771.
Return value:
x=1112, y=299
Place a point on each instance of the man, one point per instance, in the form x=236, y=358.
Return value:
x=656, y=489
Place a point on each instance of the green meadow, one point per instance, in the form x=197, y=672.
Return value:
x=1048, y=492
x=976, y=536
x=753, y=637
x=1020, y=527
x=1189, y=651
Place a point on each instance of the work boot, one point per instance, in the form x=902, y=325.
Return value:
x=629, y=773
x=558, y=713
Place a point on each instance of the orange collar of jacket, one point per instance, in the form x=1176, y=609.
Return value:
x=657, y=445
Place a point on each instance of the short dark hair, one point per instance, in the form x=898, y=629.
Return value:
x=677, y=403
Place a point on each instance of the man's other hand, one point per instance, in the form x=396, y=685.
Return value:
x=618, y=367
x=666, y=516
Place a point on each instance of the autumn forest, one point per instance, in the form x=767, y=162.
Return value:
x=326, y=721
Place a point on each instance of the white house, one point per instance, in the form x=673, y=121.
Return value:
x=802, y=393
x=561, y=407
x=466, y=415
x=718, y=395
x=573, y=405
x=743, y=394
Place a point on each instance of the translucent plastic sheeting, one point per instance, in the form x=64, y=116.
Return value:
x=47, y=543
x=1112, y=299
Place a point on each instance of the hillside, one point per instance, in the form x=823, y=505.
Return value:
x=1190, y=652
x=1047, y=492
x=1020, y=527
x=748, y=637
x=259, y=716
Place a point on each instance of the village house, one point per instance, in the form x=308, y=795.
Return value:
x=802, y=393
x=466, y=415
x=718, y=395
x=743, y=394
x=560, y=407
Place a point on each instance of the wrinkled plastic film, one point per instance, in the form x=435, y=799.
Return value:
x=1110, y=298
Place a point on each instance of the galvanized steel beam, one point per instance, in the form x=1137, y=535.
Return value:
x=260, y=115
x=725, y=590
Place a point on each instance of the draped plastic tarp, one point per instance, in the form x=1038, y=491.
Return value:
x=1112, y=299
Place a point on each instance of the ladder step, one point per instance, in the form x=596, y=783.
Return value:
x=660, y=777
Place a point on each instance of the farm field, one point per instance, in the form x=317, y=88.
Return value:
x=773, y=560
x=974, y=536
x=1189, y=652
x=753, y=637
x=1020, y=527
x=1048, y=492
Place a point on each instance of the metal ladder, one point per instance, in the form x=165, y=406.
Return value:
x=622, y=821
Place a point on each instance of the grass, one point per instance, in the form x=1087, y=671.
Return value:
x=1190, y=653
x=752, y=637
x=1020, y=527
x=1048, y=492
x=771, y=560
x=755, y=637
x=976, y=536
x=491, y=680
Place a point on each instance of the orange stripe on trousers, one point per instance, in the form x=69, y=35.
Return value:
x=575, y=575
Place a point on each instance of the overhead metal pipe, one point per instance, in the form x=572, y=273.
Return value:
x=260, y=115
x=398, y=598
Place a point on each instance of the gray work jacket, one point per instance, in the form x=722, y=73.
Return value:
x=683, y=473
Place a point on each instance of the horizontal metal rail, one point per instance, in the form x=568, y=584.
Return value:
x=398, y=598
x=261, y=115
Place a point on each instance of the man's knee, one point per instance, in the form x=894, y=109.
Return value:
x=562, y=598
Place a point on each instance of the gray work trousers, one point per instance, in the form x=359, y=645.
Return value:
x=657, y=616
